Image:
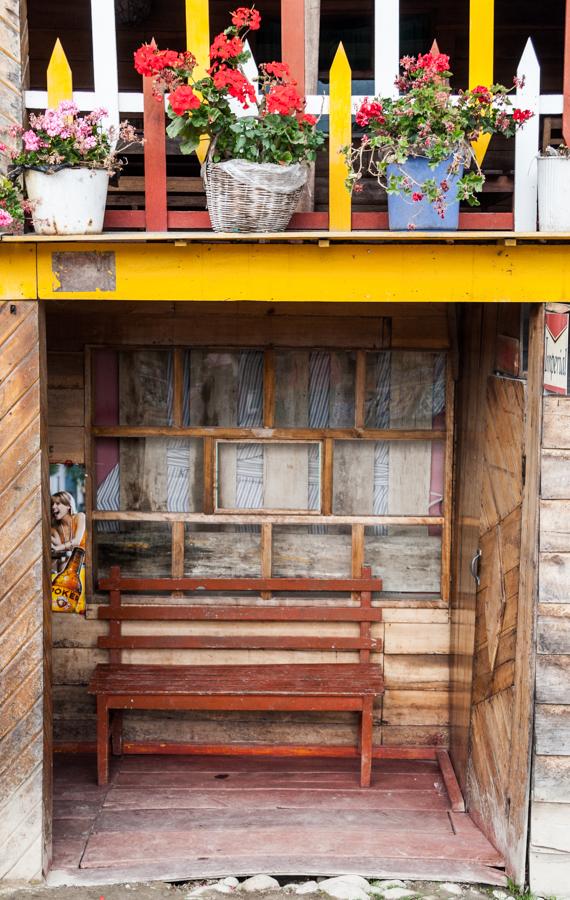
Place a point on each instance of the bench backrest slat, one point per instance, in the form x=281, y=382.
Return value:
x=132, y=613
x=360, y=589
x=312, y=585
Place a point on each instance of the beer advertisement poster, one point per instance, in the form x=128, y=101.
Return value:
x=67, y=538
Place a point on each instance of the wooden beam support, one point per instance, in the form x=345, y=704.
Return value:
x=293, y=39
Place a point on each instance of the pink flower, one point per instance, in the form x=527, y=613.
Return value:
x=417, y=196
x=5, y=219
x=31, y=140
x=3, y=148
x=68, y=108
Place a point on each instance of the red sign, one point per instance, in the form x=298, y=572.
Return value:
x=556, y=353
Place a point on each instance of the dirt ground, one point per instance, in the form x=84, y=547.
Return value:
x=164, y=891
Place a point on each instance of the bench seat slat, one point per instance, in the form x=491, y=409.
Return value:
x=238, y=642
x=312, y=585
x=321, y=679
x=242, y=613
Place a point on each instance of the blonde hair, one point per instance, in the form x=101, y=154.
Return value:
x=67, y=499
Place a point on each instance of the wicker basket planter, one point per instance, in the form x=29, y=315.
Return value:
x=244, y=196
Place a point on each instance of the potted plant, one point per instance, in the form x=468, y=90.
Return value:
x=554, y=189
x=66, y=160
x=419, y=144
x=255, y=169
x=12, y=206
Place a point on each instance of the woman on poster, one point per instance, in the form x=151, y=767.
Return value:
x=67, y=529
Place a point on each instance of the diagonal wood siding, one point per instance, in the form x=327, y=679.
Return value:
x=25, y=632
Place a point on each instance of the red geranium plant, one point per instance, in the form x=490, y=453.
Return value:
x=426, y=121
x=273, y=128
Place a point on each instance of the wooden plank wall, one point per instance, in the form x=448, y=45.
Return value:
x=415, y=631
x=549, y=861
x=25, y=620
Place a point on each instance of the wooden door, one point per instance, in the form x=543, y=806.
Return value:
x=492, y=622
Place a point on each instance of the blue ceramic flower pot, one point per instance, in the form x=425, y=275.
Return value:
x=420, y=215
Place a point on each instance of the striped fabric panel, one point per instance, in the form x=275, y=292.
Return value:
x=178, y=475
x=108, y=498
x=249, y=461
x=319, y=417
x=439, y=385
x=381, y=407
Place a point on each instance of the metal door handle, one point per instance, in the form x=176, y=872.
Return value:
x=475, y=565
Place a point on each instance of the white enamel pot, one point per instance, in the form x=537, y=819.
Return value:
x=70, y=201
x=553, y=193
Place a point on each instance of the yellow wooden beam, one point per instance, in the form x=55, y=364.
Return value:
x=59, y=77
x=198, y=42
x=340, y=135
x=481, y=51
x=18, y=272
x=341, y=272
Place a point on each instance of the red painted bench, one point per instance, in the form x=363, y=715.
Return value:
x=291, y=686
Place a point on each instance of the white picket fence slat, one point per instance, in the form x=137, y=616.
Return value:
x=105, y=66
x=386, y=46
x=527, y=143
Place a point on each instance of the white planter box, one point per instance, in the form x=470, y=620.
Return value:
x=71, y=201
x=553, y=193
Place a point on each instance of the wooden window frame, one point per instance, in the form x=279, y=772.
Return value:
x=211, y=435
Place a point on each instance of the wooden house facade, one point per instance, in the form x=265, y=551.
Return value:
x=295, y=406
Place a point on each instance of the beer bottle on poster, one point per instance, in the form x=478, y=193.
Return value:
x=66, y=587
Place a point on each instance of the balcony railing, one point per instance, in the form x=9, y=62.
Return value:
x=339, y=106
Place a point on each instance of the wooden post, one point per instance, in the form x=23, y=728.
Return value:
x=566, y=87
x=293, y=39
x=340, y=135
x=25, y=596
x=481, y=49
x=59, y=77
x=154, y=161
x=14, y=65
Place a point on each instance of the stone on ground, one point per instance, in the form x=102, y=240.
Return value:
x=346, y=887
x=451, y=888
x=259, y=883
x=308, y=887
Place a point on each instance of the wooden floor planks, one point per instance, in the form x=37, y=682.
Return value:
x=182, y=817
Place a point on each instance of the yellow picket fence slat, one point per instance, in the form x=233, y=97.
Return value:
x=340, y=135
x=59, y=77
x=481, y=50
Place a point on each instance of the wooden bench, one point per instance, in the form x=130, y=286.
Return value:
x=297, y=686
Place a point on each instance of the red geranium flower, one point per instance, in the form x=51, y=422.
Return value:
x=244, y=17
x=369, y=110
x=236, y=84
x=308, y=119
x=226, y=48
x=183, y=99
x=482, y=93
x=283, y=99
x=522, y=115
x=278, y=70
x=417, y=196
x=433, y=62
x=149, y=60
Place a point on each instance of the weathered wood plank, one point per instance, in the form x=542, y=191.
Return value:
x=552, y=728
x=553, y=679
x=550, y=826
x=554, y=525
x=553, y=635
x=556, y=427
x=554, y=578
x=551, y=778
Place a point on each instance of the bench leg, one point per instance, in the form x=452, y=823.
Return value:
x=366, y=742
x=102, y=740
x=117, y=732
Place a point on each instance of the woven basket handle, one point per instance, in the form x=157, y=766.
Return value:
x=209, y=156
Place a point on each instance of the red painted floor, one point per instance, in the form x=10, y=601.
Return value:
x=173, y=817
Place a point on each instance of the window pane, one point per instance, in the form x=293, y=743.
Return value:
x=387, y=478
x=313, y=551
x=141, y=549
x=224, y=389
x=314, y=389
x=268, y=476
x=405, y=389
x=149, y=474
x=223, y=551
x=133, y=387
x=408, y=559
